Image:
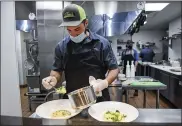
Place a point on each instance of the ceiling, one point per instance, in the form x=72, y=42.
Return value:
x=160, y=20
x=155, y=20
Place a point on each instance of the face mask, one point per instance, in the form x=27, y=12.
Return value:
x=78, y=38
x=129, y=47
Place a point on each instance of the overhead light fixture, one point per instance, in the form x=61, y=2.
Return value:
x=155, y=6
x=108, y=8
x=49, y=5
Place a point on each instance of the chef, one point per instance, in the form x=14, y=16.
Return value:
x=130, y=54
x=83, y=56
x=147, y=54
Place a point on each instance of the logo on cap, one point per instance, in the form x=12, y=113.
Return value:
x=69, y=15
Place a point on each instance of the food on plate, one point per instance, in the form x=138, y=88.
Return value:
x=114, y=116
x=61, y=90
x=60, y=113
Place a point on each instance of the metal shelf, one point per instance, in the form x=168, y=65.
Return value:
x=172, y=38
x=176, y=36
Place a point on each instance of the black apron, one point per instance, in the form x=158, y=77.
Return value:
x=127, y=57
x=82, y=65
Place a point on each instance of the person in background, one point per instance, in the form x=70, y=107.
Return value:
x=130, y=54
x=85, y=57
x=147, y=54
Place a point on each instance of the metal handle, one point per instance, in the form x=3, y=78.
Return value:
x=52, y=86
x=45, y=99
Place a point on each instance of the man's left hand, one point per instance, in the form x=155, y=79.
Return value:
x=98, y=84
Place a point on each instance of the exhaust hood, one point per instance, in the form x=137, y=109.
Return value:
x=117, y=25
x=105, y=18
x=110, y=18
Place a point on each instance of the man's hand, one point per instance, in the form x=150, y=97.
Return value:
x=48, y=82
x=98, y=84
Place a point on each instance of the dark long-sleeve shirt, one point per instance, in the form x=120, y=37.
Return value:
x=147, y=55
x=107, y=55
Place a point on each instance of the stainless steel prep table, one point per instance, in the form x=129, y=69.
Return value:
x=144, y=88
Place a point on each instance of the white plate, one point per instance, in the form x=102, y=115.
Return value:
x=46, y=109
x=122, y=79
x=97, y=110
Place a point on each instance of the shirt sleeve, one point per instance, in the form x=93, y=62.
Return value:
x=136, y=55
x=109, y=57
x=58, y=60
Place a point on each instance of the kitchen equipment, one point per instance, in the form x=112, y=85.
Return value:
x=123, y=79
x=29, y=64
x=55, y=93
x=82, y=98
x=46, y=109
x=97, y=110
x=175, y=63
x=121, y=68
x=121, y=75
x=128, y=70
x=162, y=62
x=178, y=69
x=52, y=86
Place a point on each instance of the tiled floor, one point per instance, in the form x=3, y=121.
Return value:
x=134, y=101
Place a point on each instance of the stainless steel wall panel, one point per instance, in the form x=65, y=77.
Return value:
x=49, y=34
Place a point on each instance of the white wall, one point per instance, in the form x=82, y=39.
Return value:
x=175, y=51
x=144, y=36
x=10, y=92
x=150, y=36
x=21, y=54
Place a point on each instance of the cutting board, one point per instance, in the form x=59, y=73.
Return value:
x=146, y=83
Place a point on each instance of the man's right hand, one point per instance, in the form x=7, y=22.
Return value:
x=48, y=82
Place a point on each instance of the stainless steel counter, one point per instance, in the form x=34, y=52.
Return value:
x=161, y=67
x=159, y=116
x=146, y=117
x=166, y=69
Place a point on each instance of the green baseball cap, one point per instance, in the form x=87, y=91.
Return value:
x=73, y=15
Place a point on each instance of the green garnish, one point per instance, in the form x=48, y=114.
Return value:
x=61, y=90
x=114, y=116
